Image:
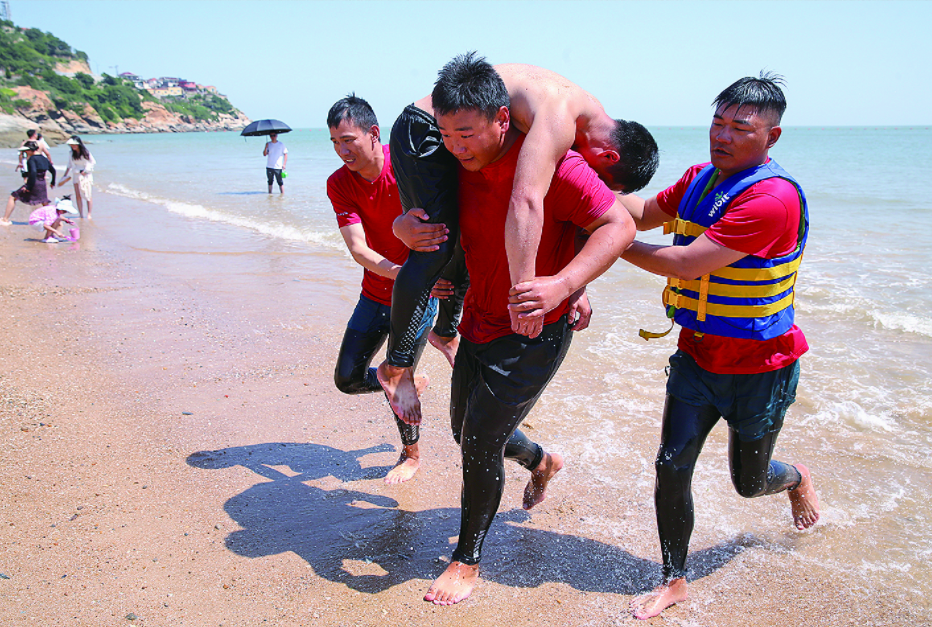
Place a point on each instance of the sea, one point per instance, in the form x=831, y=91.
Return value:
x=863, y=417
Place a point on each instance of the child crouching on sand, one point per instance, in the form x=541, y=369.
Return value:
x=50, y=217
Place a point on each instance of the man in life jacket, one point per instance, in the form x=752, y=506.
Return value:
x=740, y=225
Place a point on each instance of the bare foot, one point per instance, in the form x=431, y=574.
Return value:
x=446, y=345
x=536, y=489
x=5, y=222
x=804, y=501
x=454, y=585
x=401, y=390
x=659, y=599
x=407, y=466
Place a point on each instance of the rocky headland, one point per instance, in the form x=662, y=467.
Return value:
x=38, y=111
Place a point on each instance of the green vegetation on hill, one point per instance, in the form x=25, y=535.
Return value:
x=28, y=57
x=201, y=106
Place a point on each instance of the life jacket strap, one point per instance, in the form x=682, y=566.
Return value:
x=763, y=290
x=671, y=298
x=649, y=335
x=703, y=298
x=683, y=227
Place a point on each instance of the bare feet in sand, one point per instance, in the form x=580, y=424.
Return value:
x=659, y=599
x=536, y=489
x=407, y=465
x=455, y=584
x=446, y=345
x=804, y=501
x=402, y=389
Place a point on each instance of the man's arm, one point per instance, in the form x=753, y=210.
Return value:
x=285, y=162
x=550, y=135
x=355, y=237
x=699, y=258
x=647, y=214
x=609, y=236
x=416, y=233
x=265, y=151
x=580, y=309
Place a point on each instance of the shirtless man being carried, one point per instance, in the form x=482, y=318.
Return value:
x=555, y=115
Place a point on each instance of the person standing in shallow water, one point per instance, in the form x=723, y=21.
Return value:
x=276, y=161
x=740, y=225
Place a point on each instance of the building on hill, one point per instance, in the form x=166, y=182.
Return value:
x=162, y=92
x=169, y=86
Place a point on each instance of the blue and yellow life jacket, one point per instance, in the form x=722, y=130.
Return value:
x=751, y=298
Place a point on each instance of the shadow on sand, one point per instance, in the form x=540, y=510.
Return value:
x=367, y=543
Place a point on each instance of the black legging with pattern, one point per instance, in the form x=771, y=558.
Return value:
x=427, y=176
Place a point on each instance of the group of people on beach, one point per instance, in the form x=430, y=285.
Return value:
x=497, y=199
x=35, y=161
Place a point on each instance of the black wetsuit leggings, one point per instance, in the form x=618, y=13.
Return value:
x=427, y=176
x=364, y=336
x=495, y=385
x=683, y=434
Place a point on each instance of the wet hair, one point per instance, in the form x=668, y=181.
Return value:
x=638, y=157
x=354, y=109
x=469, y=83
x=30, y=145
x=762, y=93
x=82, y=149
x=31, y=133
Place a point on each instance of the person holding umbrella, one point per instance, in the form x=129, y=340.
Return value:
x=275, y=151
x=277, y=160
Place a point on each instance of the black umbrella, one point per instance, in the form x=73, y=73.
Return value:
x=265, y=127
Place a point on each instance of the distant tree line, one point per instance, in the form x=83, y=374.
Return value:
x=28, y=58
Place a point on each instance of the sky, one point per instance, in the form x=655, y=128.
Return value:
x=661, y=63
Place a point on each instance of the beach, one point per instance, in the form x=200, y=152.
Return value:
x=176, y=453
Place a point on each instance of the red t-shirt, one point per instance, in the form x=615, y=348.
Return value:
x=762, y=221
x=375, y=205
x=576, y=198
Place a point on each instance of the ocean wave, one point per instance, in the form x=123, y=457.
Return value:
x=854, y=415
x=277, y=230
x=872, y=314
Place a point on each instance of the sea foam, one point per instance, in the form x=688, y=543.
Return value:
x=275, y=229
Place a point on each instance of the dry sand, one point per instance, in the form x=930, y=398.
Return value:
x=174, y=453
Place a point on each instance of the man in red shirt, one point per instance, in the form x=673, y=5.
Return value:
x=740, y=229
x=556, y=115
x=500, y=374
x=365, y=198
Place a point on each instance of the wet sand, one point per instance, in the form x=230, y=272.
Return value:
x=174, y=453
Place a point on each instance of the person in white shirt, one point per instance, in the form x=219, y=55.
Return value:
x=81, y=167
x=277, y=161
x=32, y=135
